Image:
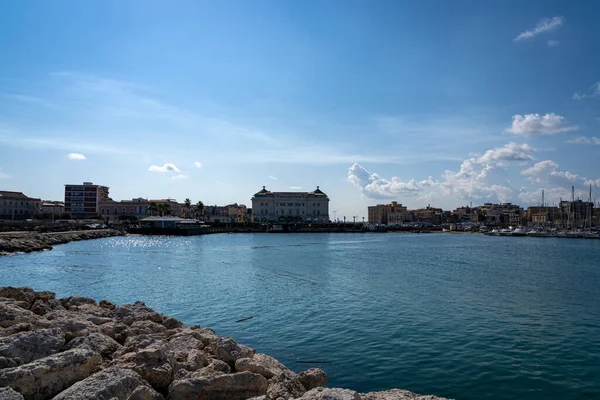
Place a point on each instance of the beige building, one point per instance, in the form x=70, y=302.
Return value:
x=111, y=210
x=384, y=214
x=270, y=206
x=17, y=206
x=56, y=208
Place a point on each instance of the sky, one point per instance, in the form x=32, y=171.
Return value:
x=444, y=103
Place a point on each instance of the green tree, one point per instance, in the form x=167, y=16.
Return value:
x=187, y=205
x=152, y=208
x=199, y=209
x=164, y=209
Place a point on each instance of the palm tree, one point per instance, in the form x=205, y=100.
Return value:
x=164, y=209
x=199, y=208
x=187, y=205
x=152, y=208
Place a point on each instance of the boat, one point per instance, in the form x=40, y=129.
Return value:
x=493, y=232
x=505, y=232
x=276, y=228
x=536, y=233
x=519, y=232
x=591, y=235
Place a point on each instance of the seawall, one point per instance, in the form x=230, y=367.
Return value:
x=12, y=242
x=77, y=348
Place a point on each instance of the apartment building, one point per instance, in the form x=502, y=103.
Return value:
x=84, y=200
x=389, y=214
x=111, y=210
x=17, y=206
x=290, y=206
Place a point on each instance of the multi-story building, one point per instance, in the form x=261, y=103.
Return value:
x=237, y=212
x=111, y=210
x=17, y=206
x=384, y=214
x=84, y=200
x=429, y=214
x=216, y=214
x=54, y=208
x=290, y=206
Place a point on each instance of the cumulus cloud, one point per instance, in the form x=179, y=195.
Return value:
x=473, y=181
x=585, y=140
x=273, y=178
x=76, y=156
x=179, y=177
x=509, y=152
x=594, y=91
x=542, y=168
x=552, y=43
x=168, y=167
x=546, y=172
x=198, y=164
x=375, y=187
x=536, y=124
x=544, y=25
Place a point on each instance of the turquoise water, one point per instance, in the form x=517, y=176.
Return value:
x=464, y=316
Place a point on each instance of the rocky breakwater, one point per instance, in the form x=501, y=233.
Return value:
x=76, y=348
x=32, y=241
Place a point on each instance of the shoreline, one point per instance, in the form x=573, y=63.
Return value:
x=27, y=242
x=77, y=348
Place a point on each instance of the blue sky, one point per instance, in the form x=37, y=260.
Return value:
x=429, y=102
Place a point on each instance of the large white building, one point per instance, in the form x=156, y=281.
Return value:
x=290, y=206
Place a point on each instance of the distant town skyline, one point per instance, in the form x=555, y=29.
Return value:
x=373, y=102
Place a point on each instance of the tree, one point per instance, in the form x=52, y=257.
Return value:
x=152, y=208
x=65, y=215
x=164, y=209
x=199, y=208
x=187, y=204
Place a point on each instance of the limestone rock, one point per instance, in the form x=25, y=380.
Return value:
x=46, y=377
x=230, y=351
x=16, y=328
x=330, y=394
x=238, y=386
x=75, y=301
x=7, y=393
x=29, y=346
x=145, y=393
x=135, y=343
x=104, y=385
x=313, y=378
x=152, y=363
x=42, y=307
x=11, y=314
x=396, y=394
x=102, y=344
x=145, y=327
x=261, y=364
x=114, y=330
x=172, y=323
x=182, y=344
x=285, y=386
x=129, y=313
x=107, y=304
x=72, y=324
x=18, y=293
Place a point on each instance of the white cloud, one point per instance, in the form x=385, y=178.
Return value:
x=552, y=43
x=295, y=187
x=545, y=25
x=179, y=177
x=273, y=178
x=585, y=140
x=536, y=124
x=509, y=152
x=546, y=172
x=76, y=156
x=594, y=91
x=168, y=167
x=542, y=168
x=473, y=182
x=197, y=164
x=375, y=187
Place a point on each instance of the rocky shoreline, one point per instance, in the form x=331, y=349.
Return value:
x=77, y=348
x=28, y=242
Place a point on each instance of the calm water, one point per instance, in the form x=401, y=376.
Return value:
x=465, y=316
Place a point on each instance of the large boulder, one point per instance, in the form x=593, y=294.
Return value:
x=285, y=386
x=144, y=327
x=152, y=363
x=330, y=394
x=102, y=344
x=49, y=376
x=72, y=324
x=261, y=364
x=24, y=294
x=238, y=386
x=43, y=307
x=104, y=385
x=397, y=394
x=313, y=378
x=114, y=330
x=29, y=346
x=76, y=301
x=12, y=314
x=129, y=313
x=7, y=393
x=145, y=393
x=228, y=350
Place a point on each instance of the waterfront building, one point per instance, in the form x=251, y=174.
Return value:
x=216, y=214
x=17, y=206
x=83, y=200
x=237, y=213
x=54, y=208
x=429, y=214
x=270, y=206
x=112, y=210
